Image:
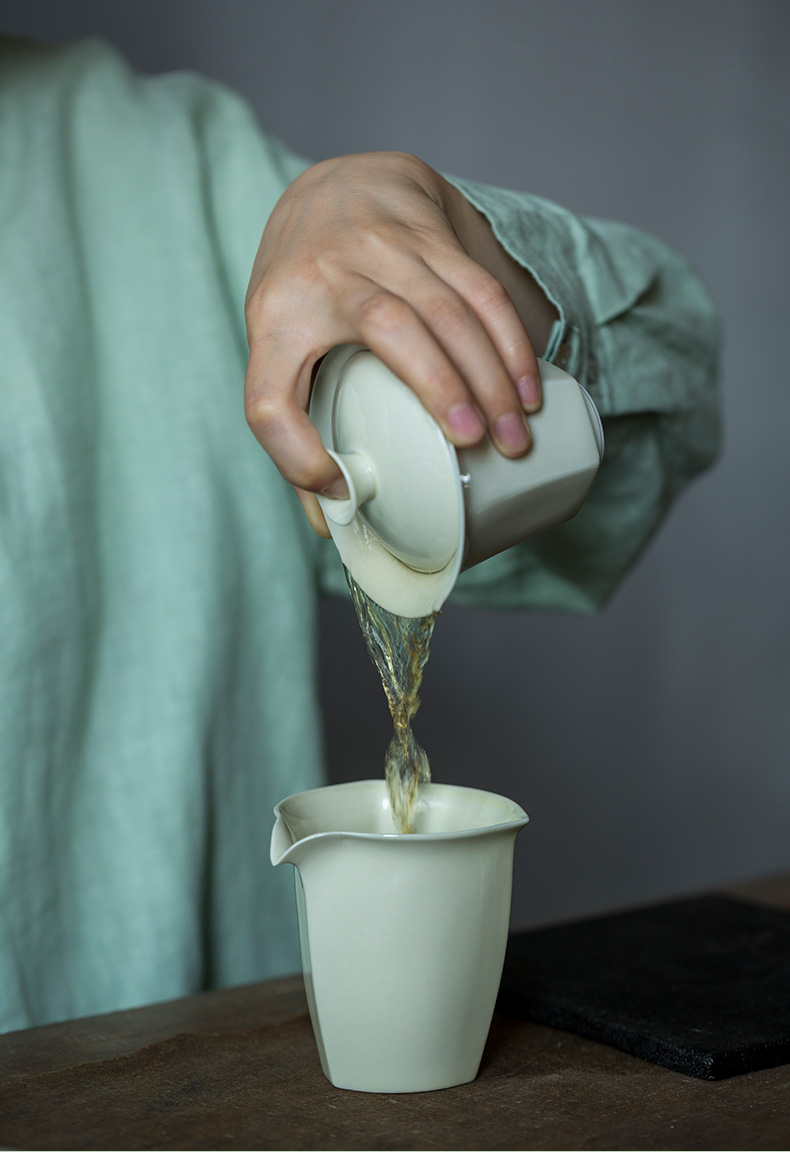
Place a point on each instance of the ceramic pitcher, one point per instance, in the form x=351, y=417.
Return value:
x=402, y=935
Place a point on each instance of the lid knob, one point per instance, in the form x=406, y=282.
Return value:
x=358, y=475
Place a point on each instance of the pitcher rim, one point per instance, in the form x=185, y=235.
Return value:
x=517, y=823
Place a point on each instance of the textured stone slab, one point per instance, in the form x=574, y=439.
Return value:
x=701, y=986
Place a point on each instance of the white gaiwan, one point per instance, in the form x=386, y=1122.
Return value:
x=421, y=511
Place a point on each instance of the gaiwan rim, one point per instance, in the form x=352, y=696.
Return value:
x=518, y=822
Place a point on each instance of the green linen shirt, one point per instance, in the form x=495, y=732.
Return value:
x=158, y=581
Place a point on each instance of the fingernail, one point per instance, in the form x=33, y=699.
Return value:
x=529, y=392
x=465, y=423
x=337, y=490
x=511, y=432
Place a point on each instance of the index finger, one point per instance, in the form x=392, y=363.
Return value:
x=276, y=391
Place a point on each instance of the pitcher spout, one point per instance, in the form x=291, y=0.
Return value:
x=283, y=842
x=298, y=834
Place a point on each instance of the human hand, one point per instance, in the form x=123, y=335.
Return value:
x=377, y=249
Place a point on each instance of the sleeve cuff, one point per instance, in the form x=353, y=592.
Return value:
x=594, y=272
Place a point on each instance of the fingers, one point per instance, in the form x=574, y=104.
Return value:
x=397, y=334
x=475, y=371
x=490, y=303
x=488, y=345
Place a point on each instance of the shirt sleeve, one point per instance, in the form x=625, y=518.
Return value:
x=637, y=328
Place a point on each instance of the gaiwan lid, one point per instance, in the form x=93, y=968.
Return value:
x=401, y=531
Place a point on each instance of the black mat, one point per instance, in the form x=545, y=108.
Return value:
x=701, y=986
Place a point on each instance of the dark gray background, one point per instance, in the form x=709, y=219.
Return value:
x=650, y=744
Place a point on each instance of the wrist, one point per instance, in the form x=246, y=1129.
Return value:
x=475, y=233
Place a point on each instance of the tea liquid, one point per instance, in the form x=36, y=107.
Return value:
x=399, y=647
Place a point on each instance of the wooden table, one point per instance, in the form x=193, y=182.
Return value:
x=238, y=1069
